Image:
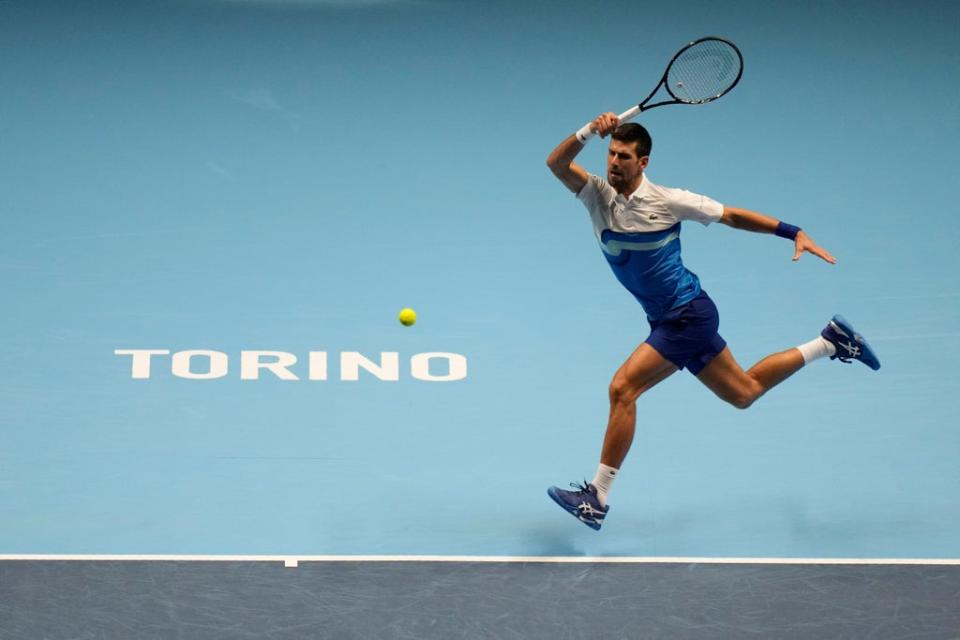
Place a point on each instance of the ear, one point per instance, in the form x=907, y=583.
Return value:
x=643, y=162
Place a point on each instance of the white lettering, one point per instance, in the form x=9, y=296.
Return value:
x=456, y=367
x=216, y=367
x=280, y=364
x=352, y=361
x=250, y=364
x=318, y=365
x=140, y=369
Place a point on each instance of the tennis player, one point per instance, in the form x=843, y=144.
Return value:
x=637, y=224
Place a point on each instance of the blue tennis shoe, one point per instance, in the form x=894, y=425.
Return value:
x=583, y=504
x=850, y=344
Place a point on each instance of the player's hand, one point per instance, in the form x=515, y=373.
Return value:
x=604, y=124
x=803, y=242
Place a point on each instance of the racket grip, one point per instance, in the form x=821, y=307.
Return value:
x=629, y=114
x=585, y=133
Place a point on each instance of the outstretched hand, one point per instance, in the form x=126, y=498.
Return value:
x=803, y=242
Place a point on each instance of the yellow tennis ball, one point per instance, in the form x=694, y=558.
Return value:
x=407, y=317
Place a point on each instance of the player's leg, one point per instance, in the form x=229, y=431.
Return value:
x=838, y=340
x=724, y=376
x=643, y=369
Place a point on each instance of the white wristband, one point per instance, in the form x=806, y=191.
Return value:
x=585, y=133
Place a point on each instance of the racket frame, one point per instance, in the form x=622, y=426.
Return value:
x=586, y=133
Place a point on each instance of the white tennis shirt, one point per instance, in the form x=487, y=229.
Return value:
x=640, y=238
x=649, y=208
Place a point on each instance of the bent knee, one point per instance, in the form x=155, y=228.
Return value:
x=744, y=397
x=622, y=392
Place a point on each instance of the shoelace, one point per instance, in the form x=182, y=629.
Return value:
x=837, y=345
x=585, y=487
x=851, y=349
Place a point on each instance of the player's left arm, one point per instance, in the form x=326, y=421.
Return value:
x=760, y=223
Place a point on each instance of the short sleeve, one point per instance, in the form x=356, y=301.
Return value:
x=591, y=192
x=686, y=205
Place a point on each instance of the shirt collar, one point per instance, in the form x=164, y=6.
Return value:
x=637, y=194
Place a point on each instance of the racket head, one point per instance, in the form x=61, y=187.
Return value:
x=704, y=70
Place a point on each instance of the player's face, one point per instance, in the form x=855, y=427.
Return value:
x=624, y=168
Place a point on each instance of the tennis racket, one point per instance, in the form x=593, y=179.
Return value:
x=700, y=72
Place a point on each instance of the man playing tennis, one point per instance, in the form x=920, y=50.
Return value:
x=638, y=226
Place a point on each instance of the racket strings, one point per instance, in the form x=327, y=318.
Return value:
x=704, y=71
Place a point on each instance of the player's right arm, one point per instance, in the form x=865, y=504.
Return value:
x=560, y=160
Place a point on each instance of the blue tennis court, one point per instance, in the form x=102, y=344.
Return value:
x=213, y=211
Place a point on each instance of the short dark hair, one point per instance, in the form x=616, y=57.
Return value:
x=633, y=132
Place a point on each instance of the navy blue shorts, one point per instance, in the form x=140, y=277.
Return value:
x=687, y=336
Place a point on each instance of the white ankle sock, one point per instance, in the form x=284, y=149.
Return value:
x=819, y=347
x=603, y=481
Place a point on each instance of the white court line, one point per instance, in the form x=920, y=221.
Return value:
x=292, y=560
